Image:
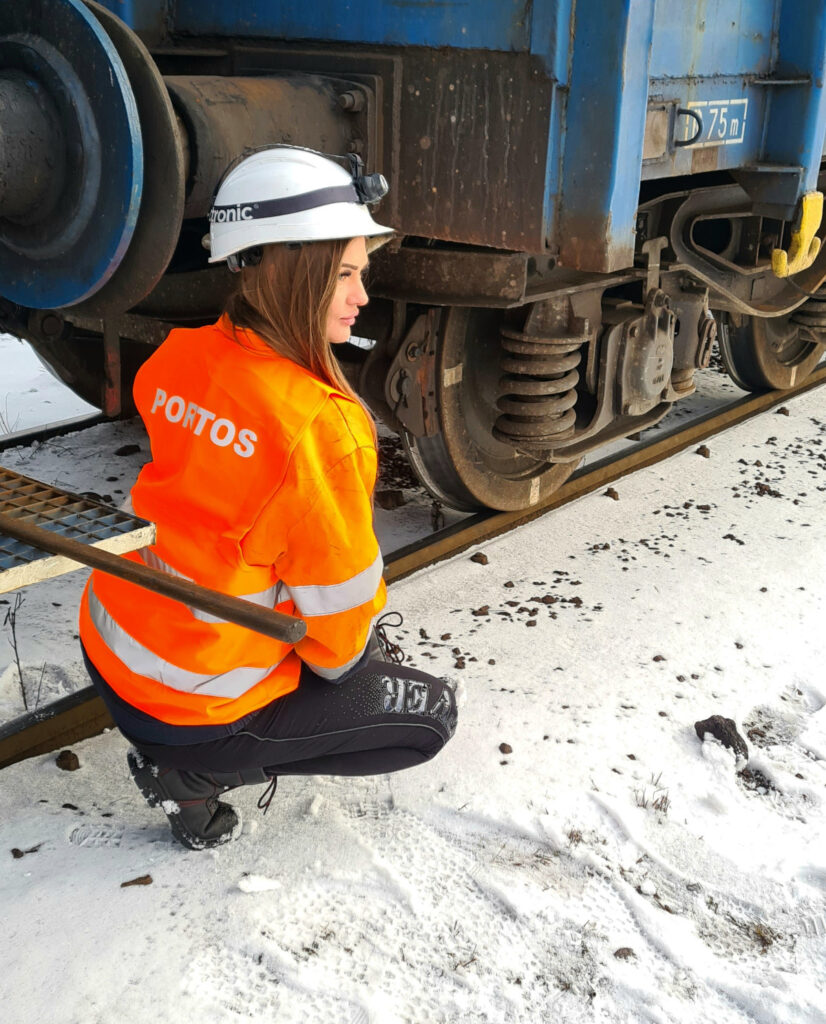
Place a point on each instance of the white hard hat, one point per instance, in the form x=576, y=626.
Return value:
x=290, y=194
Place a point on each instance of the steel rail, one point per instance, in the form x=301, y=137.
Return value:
x=21, y=438
x=83, y=714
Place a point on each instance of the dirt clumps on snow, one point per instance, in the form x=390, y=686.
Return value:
x=140, y=880
x=724, y=730
x=757, y=781
x=18, y=853
x=67, y=761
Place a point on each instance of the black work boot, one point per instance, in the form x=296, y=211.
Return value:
x=199, y=820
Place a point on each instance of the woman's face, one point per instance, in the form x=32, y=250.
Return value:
x=349, y=295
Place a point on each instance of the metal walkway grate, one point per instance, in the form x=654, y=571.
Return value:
x=68, y=515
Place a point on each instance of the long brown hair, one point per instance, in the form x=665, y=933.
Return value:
x=285, y=300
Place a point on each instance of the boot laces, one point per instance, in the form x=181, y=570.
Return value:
x=390, y=650
x=265, y=799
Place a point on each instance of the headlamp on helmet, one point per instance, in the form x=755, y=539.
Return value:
x=370, y=187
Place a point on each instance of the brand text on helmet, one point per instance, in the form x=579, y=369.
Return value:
x=222, y=214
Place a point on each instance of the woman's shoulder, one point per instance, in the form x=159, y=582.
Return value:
x=284, y=396
x=349, y=417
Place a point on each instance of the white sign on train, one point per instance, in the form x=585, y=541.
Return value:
x=723, y=122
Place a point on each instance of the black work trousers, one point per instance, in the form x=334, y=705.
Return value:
x=382, y=718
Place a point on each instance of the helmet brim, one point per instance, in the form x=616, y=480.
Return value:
x=342, y=220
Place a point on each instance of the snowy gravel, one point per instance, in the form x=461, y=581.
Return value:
x=575, y=854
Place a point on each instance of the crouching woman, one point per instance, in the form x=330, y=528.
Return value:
x=260, y=485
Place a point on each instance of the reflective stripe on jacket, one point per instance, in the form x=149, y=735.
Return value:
x=260, y=486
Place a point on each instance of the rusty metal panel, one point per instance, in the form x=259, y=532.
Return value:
x=225, y=115
x=473, y=147
x=449, y=277
x=461, y=136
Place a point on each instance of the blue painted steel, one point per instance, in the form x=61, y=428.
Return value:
x=125, y=10
x=604, y=138
x=467, y=24
x=94, y=256
x=796, y=116
x=550, y=33
x=772, y=133
x=609, y=62
x=711, y=38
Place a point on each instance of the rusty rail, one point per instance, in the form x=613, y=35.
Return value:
x=83, y=714
x=485, y=526
x=59, y=428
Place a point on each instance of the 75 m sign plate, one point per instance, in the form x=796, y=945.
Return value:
x=723, y=123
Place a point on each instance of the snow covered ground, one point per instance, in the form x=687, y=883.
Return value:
x=30, y=395
x=575, y=854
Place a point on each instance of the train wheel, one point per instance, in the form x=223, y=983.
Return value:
x=464, y=465
x=762, y=353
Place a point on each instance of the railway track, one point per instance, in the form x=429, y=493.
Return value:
x=49, y=430
x=82, y=714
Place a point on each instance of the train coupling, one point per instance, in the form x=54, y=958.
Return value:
x=805, y=245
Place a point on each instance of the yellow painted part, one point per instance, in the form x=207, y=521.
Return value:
x=805, y=245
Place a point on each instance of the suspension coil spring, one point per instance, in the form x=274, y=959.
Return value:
x=538, y=389
x=811, y=315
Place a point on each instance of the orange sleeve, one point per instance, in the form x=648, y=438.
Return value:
x=318, y=531
x=332, y=568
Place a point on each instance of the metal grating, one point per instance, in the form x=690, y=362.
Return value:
x=69, y=515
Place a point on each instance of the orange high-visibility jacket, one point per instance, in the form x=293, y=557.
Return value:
x=260, y=486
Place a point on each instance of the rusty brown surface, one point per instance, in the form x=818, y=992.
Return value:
x=226, y=115
x=473, y=138
x=587, y=242
x=461, y=135
x=451, y=277
x=111, y=399
x=189, y=296
x=484, y=527
x=70, y=720
x=704, y=159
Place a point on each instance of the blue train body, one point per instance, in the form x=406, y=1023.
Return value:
x=630, y=91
